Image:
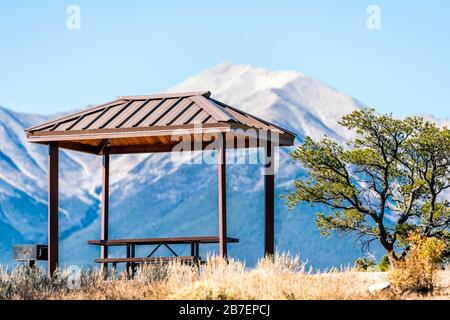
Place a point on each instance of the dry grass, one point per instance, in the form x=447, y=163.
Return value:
x=418, y=271
x=285, y=278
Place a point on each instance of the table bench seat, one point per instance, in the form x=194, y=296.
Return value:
x=132, y=261
x=156, y=241
x=151, y=260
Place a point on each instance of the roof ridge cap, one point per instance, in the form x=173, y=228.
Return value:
x=166, y=95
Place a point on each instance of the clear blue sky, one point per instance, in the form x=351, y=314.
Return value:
x=138, y=47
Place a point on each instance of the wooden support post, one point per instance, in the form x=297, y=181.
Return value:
x=128, y=265
x=222, y=196
x=132, y=255
x=269, y=200
x=105, y=207
x=53, y=203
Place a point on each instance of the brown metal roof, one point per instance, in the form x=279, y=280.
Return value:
x=147, y=120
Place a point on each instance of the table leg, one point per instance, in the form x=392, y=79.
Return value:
x=197, y=255
x=114, y=269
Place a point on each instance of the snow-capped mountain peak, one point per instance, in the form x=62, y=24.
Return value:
x=302, y=104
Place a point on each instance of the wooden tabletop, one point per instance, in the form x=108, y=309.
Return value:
x=149, y=241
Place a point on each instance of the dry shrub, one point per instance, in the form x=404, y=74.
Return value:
x=23, y=283
x=92, y=285
x=281, y=277
x=417, y=272
x=32, y=283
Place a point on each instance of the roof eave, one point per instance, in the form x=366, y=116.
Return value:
x=53, y=136
x=280, y=139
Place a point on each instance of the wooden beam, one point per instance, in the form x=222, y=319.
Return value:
x=155, y=148
x=269, y=200
x=144, y=148
x=53, y=256
x=76, y=146
x=105, y=206
x=222, y=196
x=101, y=147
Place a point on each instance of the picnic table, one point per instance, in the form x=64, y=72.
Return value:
x=132, y=260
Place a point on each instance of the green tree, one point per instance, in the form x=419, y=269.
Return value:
x=388, y=181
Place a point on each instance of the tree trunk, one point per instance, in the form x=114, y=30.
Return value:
x=392, y=258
